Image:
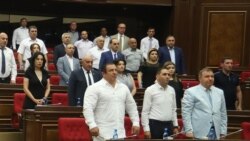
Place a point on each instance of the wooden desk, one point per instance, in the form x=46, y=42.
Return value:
x=40, y=124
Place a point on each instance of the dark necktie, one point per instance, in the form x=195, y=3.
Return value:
x=3, y=61
x=115, y=56
x=89, y=79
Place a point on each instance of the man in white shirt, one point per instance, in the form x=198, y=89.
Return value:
x=66, y=64
x=104, y=34
x=20, y=33
x=149, y=42
x=96, y=52
x=8, y=70
x=159, y=108
x=24, y=49
x=83, y=45
x=105, y=103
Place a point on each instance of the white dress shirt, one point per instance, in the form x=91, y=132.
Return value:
x=70, y=59
x=24, y=47
x=106, y=41
x=10, y=64
x=96, y=53
x=86, y=76
x=104, y=107
x=19, y=34
x=159, y=104
x=145, y=45
x=172, y=54
x=83, y=47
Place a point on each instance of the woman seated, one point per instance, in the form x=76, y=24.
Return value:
x=36, y=83
x=33, y=48
x=147, y=71
x=174, y=81
x=123, y=77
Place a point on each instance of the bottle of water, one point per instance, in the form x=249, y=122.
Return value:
x=165, y=134
x=115, y=135
x=78, y=103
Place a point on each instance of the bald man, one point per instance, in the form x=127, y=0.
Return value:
x=8, y=70
x=80, y=79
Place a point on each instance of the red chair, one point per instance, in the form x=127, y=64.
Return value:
x=51, y=67
x=54, y=79
x=50, y=50
x=245, y=75
x=50, y=57
x=73, y=129
x=18, y=107
x=61, y=98
x=19, y=80
x=245, y=134
x=189, y=83
x=181, y=135
x=128, y=125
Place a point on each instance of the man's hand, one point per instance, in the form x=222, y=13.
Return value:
x=12, y=81
x=147, y=135
x=175, y=131
x=94, y=131
x=190, y=134
x=135, y=130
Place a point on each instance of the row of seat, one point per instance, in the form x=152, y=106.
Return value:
x=54, y=80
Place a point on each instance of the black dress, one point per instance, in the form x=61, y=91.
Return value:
x=148, y=74
x=177, y=85
x=36, y=87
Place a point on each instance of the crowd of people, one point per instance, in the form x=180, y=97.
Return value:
x=98, y=74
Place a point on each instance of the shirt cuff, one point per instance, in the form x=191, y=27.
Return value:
x=146, y=128
x=92, y=125
x=136, y=124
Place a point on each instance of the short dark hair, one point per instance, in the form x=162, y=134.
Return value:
x=206, y=69
x=33, y=58
x=225, y=58
x=159, y=70
x=23, y=19
x=116, y=62
x=104, y=67
x=32, y=26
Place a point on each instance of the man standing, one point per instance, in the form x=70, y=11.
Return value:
x=172, y=53
x=67, y=64
x=204, y=110
x=149, y=42
x=159, y=107
x=133, y=56
x=230, y=84
x=80, y=79
x=20, y=33
x=83, y=45
x=105, y=103
x=121, y=37
x=24, y=49
x=73, y=32
x=113, y=54
x=96, y=52
x=59, y=50
x=8, y=70
x=104, y=35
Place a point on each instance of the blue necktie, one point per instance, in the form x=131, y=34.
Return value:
x=115, y=56
x=150, y=43
x=3, y=61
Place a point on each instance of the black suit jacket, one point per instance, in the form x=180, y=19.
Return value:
x=59, y=51
x=107, y=57
x=78, y=85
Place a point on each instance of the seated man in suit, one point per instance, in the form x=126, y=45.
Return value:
x=113, y=54
x=80, y=79
x=204, y=110
x=59, y=50
x=66, y=64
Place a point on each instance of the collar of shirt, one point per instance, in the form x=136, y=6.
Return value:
x=85, y=71
x=64, y=45
x=170, y=48
x=159, y=86
x=69, y=57
x=100, y=49
x=114, y=52
x=87, y=40
x=205, y=89
x=32, y=40
x=23, y=27
x=133, y=49
x=108, y=84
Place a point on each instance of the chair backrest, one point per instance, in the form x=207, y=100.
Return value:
x=245, y=134
x=50, y=57
x=73, y=129
x=18, y=102
x=189, y=83
x=128, y=128
x=51, y=67
x=19, y=80
x=245, y=75
x=54, y=79
x=60, y=98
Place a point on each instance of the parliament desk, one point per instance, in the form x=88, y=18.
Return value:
x=40, y=124
x=6, y=100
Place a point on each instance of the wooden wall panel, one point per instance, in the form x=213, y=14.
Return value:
x=225, y=36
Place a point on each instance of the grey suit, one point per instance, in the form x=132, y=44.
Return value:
x=125, y=43
x=198, y=114
x=64, y=69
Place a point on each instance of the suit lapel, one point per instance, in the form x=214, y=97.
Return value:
x=67, y=62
